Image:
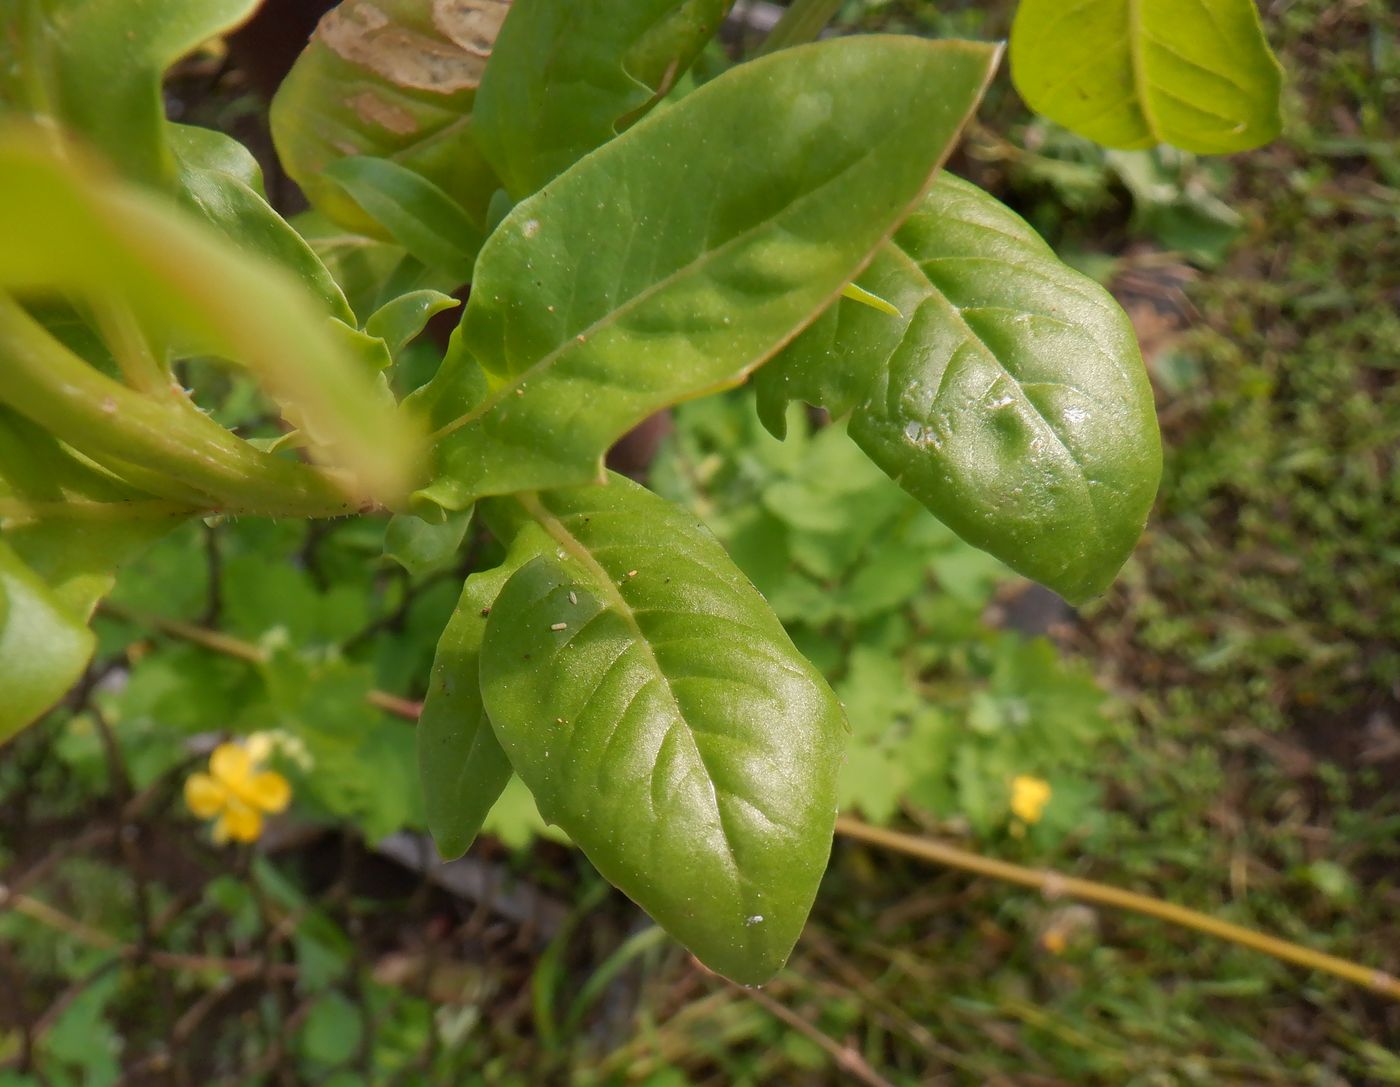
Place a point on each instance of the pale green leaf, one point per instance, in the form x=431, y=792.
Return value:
x=659, y=713
x=1197, y=74
x=568, y=75
x=1011, y=398
x=677, y=258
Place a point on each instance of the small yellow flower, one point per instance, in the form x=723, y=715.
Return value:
x=1029, y=795
x=236, y=794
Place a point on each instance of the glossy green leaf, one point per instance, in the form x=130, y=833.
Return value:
x=216, y=182
x=43, y=649
x=1010, y=398
x=413, y=211
x=658, y=711
x=1133, y=73
x=71, y=524
x=393, y=79
x=461, y=764
x=68, y=228
x=568, y=75
x=675, y=259
x=96, y=67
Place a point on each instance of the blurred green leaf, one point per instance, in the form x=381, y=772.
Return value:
x=1126, y=74
x=69, y=228
x=96, y=68
x=43, y=647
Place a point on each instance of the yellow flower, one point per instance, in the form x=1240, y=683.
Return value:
x=1029, y=795
x=236, y=794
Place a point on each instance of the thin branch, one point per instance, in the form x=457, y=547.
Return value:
x=1055, y=885
x=847, y=1059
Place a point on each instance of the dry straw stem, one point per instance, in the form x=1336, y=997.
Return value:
x=1049, y=883
x=1055, y=885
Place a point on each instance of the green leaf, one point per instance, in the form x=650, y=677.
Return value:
x=401, y=320
x=363, y=267
x=460, y=761
x=96, y=67
x=392, y=79
x=422, y=548
x=215, y=181
x=568, y=75
x=656, y=708
x=1133, y=73
x=43, y=648
x=68, y=228
x=1011, y=400
x=606, y=297
x=413, y=211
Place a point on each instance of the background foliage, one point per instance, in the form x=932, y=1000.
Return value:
x=1223, y=727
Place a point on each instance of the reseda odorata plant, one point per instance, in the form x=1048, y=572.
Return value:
x=632, y=238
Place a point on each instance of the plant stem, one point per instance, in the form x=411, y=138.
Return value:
x=1049, y=883
x=229, y=646
x=803, y=22
x=127, y=341
x=109, y=422
x=22, y=511
x=1054, y=885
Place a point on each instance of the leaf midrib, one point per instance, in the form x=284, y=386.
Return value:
x=618, y=603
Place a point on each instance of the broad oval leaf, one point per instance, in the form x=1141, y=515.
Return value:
x=661, y=716
x=568, y=75
x=1010, y=398
x=393, y=79
x=43, y=649
x=675, y=259
x=1197, y=74
x=99, y=65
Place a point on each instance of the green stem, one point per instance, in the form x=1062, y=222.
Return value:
x=143, y=371
x=107, y=421
x=803, y=22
